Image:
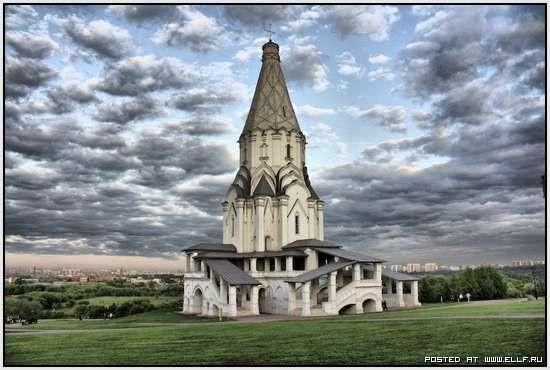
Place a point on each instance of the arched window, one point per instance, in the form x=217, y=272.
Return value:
x=284, y=112
x=288, y=150
x=232, y=226
x=297, y=223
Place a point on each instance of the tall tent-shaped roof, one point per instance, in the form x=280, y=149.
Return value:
x=271, y=107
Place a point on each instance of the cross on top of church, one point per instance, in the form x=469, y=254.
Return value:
x=269, y=31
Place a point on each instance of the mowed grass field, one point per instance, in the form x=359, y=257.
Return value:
x=389, y=338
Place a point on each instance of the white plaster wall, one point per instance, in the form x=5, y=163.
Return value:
x=277, y=302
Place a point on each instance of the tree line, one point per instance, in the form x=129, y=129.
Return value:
x=482, y=283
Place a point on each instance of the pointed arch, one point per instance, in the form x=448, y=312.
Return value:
x=263, y=170
x=263, y=188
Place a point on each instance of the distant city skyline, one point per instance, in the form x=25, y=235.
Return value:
x=149, y=264
x=425, y=126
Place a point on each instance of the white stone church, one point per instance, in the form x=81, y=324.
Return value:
x=274, y=258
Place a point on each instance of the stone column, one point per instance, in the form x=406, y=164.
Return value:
x=340, y=280
x=289, y=261
x=244, y=302
x=203, y=267
x=192, y=262
x=254, y=304
x=260, y=237
x=356, y=272
x=312, y=219
x=399, y=292
x=223, y=291
x=321, y=226
x=277, y=264
x=311, y=259
x=291, y=297
x=332, y=290
x=378, y=271
x=184, y=263
x=253, y=150
x=267, y=264
x=232, y=301
x=239, y=205
x=283, y=212
x=226, y=223
x=253, y=264
x=306, y=305
x=414, y=292
x=212, y=278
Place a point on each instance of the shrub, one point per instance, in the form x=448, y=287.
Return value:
x=81, y=312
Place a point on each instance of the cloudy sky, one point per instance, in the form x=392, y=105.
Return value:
x=425, y=125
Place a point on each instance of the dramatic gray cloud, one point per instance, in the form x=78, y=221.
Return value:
x=142, y=74
x=200, y=126
x=30, y=45
x=194, y=30
x=99, y=36
x=486, y=124
x=24, y=74
x=257, y=15
x=121, y=189
x=127, y=110
x=373, y=20
x=392, y=117
x=139, y=13
x=205, y=100
x=120, y=124
x=303, y=65
x=19, y=16
x=60, y=100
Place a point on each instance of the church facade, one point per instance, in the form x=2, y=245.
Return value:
x=273, y=258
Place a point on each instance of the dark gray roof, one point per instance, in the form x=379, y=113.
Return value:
x=313, y=274
x=399, y=275
x=308, y=184
x=231, y=273
x=263, y=189
x=229, y=255
x=349, y=254
x=310, y=243
x=210, y=247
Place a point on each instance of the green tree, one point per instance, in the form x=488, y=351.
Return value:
x=11, y=308
x=28, y=310
x=50, y=300
x=81, y=312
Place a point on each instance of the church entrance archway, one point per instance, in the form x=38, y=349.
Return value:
x=197, y=301
x=347, y=310
x=369, y=305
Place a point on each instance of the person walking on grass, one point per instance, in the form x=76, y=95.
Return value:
x=468, y=295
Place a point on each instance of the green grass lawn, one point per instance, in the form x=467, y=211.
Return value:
x=345, y=340
x=152, y=318
x=464, y=309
